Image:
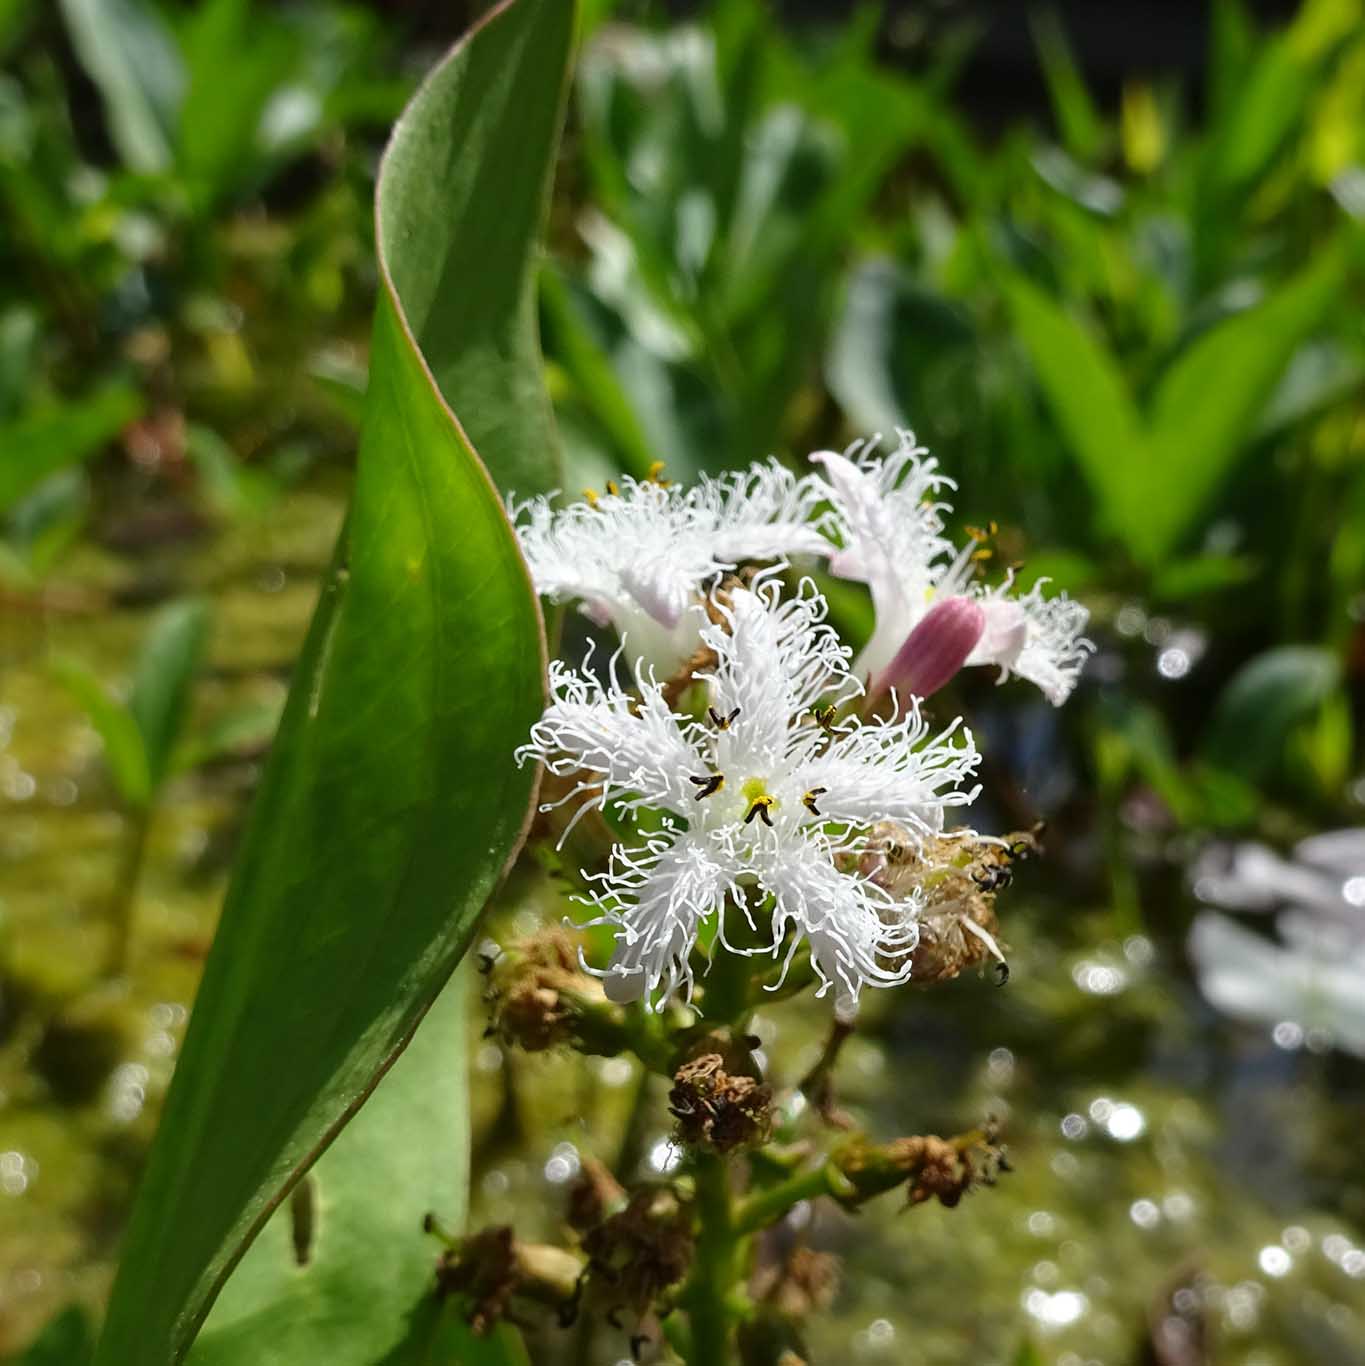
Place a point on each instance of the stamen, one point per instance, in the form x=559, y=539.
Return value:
x=759, y=808
x=592, y=497
x=808, y=801
x=613, y=488
x=655, y=475
x=824, y=717
x=721, y=722
x=706, y=786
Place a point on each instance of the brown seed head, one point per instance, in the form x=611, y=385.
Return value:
x=718, y=1110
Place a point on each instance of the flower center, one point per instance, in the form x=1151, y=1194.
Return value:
x=758, y=800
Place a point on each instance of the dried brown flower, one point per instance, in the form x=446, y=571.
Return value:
x=635, y=1255
x=959, y=877
x=594, y=1194
x=805, y=1282
x=719, y=1110
x=541, y=994
x=930, y=1167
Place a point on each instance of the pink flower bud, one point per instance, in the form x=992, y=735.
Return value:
x=935, y=650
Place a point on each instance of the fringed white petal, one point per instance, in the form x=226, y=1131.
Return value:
x=657, y=897
x=1037, y=638
x=645, y=552
x=890, y=528
x=894, y=770
x=858, y=935
x=639, y=751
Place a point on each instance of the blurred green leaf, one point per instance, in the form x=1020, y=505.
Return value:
x=595, y=382
x=18, y=340
x=1207, y=402
x=1098, y=418
x=245, y=728
x=370, y=853
x=1185, y=578
x=1262, y=702
x=1319, y=376
x=1078, y=121
x=1232, y=43
x=160, y=693
x=890, y=336
x=131, y=56
x=231, y=488
x=1153, y=477
x=41, y=443
x=68, y=1340
x=218, y=146
x=344, y=1272
x=124, y=750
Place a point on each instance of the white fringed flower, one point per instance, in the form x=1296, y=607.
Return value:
x=890, y=530
x=759, y=799
x=638, y=556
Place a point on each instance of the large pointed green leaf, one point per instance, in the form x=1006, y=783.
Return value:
x=391, y=802
x=474, y=322
x=311, y=1287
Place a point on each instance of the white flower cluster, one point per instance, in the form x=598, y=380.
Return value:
x=761, y=795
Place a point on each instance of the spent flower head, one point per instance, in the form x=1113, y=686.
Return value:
x=639, y=556
x=761, y=801
x=933, y=615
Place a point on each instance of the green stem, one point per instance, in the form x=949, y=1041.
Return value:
x=713, y=1294
x=124, y=907
x=764, y=1208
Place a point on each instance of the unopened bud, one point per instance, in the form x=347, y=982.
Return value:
x=935, y=650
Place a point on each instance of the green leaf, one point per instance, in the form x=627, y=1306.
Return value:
x=1078, y=120
x=42, y=443
x=130, y=55
x=467, y=274
x=1208, y=401
x=68, y=1340
x=224, y=101
x=124, y=750
x=1086, y=392
x=596, y=383
x=1154, y=475
x=165, y=669
x=1262, y=702
x=391, y=802
x=344, y=1272
x=890, y=337
x=1193, y=575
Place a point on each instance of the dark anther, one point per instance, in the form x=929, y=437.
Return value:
x=808, y=801
x=824, y=717
x=706, y=786
x=760, y=809
x=721, y=722
x=612, y=488
x=1002, y=974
